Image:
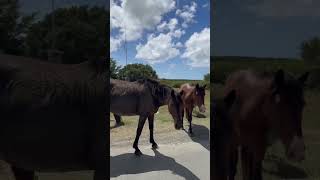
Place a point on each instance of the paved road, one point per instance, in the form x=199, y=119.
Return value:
x=183, y=157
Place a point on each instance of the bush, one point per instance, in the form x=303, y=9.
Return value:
x=133, y=72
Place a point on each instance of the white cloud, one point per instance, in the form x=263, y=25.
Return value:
x=171, y=25
x=187, y=14
x=158, y=49
x=285, y=8
x=132, y=17
x=114, y=44
x=197, y=50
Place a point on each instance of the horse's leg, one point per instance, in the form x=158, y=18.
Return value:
x=118, y=119
x=245, y=163
x=189, y=113
x=98, y=146
x=233, y=164
x=142, y=120
x=182, y=116
x=151, y=123
x=257, y=170
x=22, y=174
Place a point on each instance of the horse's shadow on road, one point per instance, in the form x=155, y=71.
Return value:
x=130, y=164
x=200, y=135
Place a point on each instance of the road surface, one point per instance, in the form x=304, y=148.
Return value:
x=178, y=157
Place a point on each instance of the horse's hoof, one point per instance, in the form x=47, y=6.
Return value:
x=138, y=152
x=155, y=146
x=191, y=133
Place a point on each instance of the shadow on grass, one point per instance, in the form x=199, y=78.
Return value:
x=130, y=164
x=200, y=135
x=284, y=169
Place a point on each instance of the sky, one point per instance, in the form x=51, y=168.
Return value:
x=173, y=36
x=263, y=28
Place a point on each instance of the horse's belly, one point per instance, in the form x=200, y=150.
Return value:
x=126, y=106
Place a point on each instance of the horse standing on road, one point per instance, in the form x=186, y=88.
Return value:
x=192, y=96
x=143, y=98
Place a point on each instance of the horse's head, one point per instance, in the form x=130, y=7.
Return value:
x=175, y=107
x=284, y=106
x=200, y=92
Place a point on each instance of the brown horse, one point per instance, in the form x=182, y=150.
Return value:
x=143, y=98
x=192, y=96
x=267, y=106
x=53, y=116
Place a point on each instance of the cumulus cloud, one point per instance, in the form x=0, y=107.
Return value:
x=157, y=49
x=132, y=18
x=285, y=8
x=187, y=13
x=197, y=50
x=136, y=16
x=171, y=25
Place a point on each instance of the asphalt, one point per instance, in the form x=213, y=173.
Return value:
x=179, y=156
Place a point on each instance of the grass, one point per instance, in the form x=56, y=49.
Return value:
x=275, y=165
x=163, y=123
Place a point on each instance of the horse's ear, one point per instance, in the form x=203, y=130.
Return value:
x=197, y=86
x=230, y=98
x=204, y=86
x=303, y=77
x=278, y=79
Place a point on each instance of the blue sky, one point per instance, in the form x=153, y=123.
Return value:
x=264, y=28
x=173, y=36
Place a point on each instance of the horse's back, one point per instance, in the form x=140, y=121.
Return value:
x=247, y=83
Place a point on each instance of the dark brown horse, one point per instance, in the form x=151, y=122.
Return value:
x=267, y=107
x=192, y=96
x=221, y=135
x=53, y=116
x=143, y=98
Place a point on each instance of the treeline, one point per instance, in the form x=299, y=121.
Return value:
x=309, y=60
x=133, y=72
x=223, y=67
x=70, y=35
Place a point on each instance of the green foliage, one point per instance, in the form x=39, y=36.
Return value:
x=310, y=50
x=80, y=33
x=176, y=83
x=132, y=72
x=13, y=27
x=207, y=78
x=224, y=67
x=114, y=69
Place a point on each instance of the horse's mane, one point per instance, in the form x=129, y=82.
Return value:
x=158, y=90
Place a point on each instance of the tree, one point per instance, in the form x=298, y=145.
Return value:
x=310, y=50
x=80, y=33
x=13, y=27
x=206, y=77
x=114, y=69
x=132, y=72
